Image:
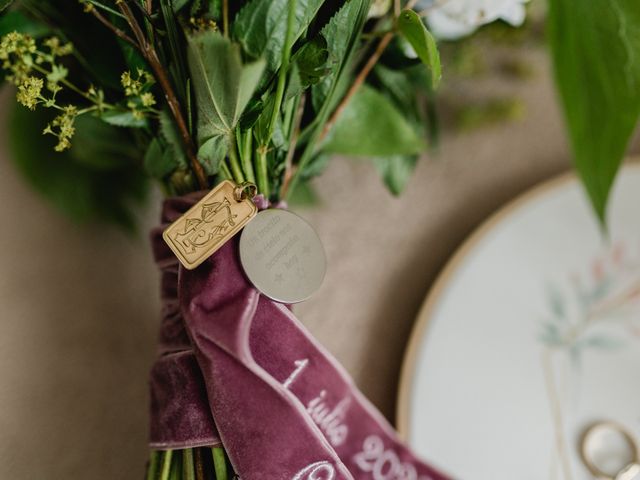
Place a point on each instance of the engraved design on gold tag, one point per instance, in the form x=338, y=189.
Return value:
x=209, y=224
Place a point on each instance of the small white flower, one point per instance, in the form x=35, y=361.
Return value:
x=451, y=19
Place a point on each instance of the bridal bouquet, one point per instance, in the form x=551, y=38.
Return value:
x=255, y=97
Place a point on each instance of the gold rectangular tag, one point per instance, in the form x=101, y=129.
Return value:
x=208, y=225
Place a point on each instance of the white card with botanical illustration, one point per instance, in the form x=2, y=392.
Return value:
x=530, y=335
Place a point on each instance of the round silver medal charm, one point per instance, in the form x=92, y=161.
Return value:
x=282, y=255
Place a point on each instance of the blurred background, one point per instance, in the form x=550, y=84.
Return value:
x=80, y=304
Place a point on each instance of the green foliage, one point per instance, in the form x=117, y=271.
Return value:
x=303, y=196
x=396, y=171
x=596, y=54
x=261, y=27
x=4, y=4
x=371, y=126
x=341, y=35
x=413, y=29
x=123, y=119
x=223, y=85
x=311, y=61
x=96, y=180
x=212, y=152
x=171, y=138
x=165, y=153
x=16, y=21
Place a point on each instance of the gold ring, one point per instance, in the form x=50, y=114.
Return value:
x=594, y=430
x=245, y=190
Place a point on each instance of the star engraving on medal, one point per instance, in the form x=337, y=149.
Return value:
x=278, y=278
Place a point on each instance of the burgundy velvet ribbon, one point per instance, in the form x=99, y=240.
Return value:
x=283, y=407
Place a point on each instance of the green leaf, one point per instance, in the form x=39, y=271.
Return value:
x=303, y=195
x=123, y=119
x=370, y=126
x=212, y=153
x=261, y=127
x=96, y=180
x=342, y=35
x=396, y=171
x=19, y=22
x=159, y=163
x=413, y=29
x=170, y=135
x=261, y=27
x=223, y=85
x=595, y=47
x=178, y=5
x=311, y=61
x=4, y=4
x=101, y=146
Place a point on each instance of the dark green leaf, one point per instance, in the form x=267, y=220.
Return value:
x=311, y=61
x=75, y=181
x=303, y=195
x=223, y=85
x=172, y=139
x=396, y=171
x=212, y=153
x=176, y=62
x=4, y=4
x=370, y=126
x=178, y=5
x=262, y=125
x=19, y=22
x=123, y=119
x=158, y=163
x=316, y=166
x=132, y=56
x=595, y=47
x=251, y=114
x=413, y=29
x=341, y=34
x=261, y=27
x=101, y=146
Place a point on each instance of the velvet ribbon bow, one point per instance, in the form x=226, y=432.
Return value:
x=283, y=407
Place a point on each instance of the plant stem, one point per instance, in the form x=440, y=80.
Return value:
x=199, y=464
x=262, y=175
x=288, y=163
x=225, y=17
x=188, y=471
x=118, y=33
x=225, y=172
x=556, y=412
x=282, y=74
x=219, y=463
x=318, y=136
x=151, y=56
x=357, y=83
x=154, y=460
x=246, y=155
x=166, y=465
x=72, y=87
x=233, y=161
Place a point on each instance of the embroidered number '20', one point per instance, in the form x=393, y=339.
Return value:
x=384, y=464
